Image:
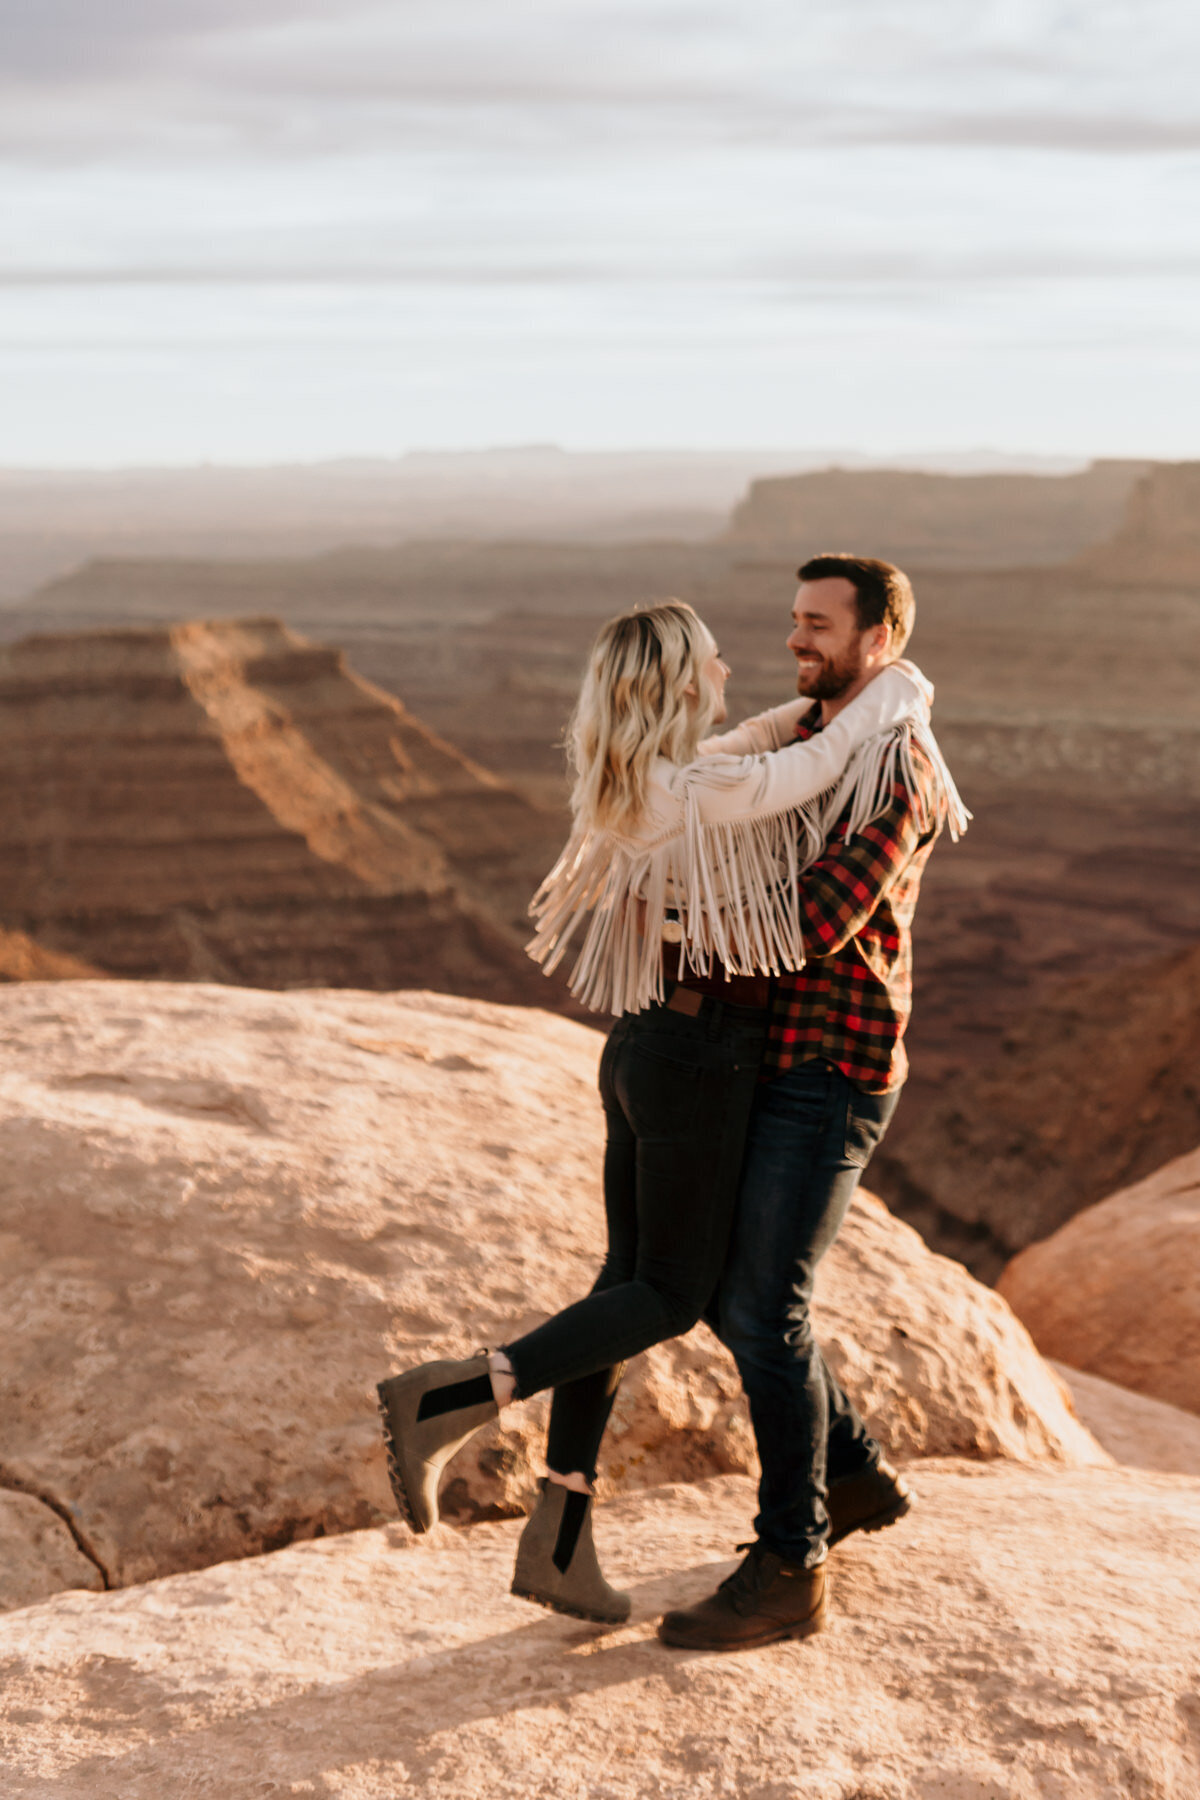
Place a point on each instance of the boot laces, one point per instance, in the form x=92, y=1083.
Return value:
x=747, y=1580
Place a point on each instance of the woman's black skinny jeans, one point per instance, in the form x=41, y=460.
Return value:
x=677, y=1093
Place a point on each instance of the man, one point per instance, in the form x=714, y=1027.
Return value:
x=834, y=1067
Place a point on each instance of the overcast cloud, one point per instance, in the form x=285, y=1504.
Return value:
x=235, y=228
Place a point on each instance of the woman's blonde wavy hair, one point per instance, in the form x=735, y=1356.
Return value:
x=635, y=705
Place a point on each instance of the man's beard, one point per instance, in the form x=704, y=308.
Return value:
x=830, y=678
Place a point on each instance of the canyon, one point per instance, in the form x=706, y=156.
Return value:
x=1080, y=760
x=1066, y=703
x=229, y=801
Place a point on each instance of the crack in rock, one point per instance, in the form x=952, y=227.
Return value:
x=17, y=1484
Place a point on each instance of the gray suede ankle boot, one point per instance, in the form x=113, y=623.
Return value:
x=428, y=1414
x=556, y=1560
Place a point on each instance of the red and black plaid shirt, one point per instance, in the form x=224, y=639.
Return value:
x=850, y=1002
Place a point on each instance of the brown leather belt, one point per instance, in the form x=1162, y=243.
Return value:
x=750, y=993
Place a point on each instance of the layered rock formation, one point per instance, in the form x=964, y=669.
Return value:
x=226, y=1213
x=230, y=801
x=934, y=521
x=1091, y=1091
x=1116, y=1291
x=1025, y=1634
x=1158, y=540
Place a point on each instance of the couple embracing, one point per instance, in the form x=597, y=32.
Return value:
x=745, y=901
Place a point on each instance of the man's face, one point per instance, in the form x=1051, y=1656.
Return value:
x=832, y=652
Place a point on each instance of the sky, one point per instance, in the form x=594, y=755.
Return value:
x=261, y=230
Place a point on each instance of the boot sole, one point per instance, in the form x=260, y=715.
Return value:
x=568, y=1611
x=802, y=1628
x=399, y=1491
x=880, y=1521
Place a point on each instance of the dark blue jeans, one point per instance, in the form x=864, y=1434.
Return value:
x=812, y=1133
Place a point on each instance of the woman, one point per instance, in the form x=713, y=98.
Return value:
x=684, y=858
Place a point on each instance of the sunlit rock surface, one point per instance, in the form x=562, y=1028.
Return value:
x=1026, y=1634
x=1116, y=1292
x=226, y=1213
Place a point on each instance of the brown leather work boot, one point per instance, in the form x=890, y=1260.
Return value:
x=763, y=1601
x=868, y=1501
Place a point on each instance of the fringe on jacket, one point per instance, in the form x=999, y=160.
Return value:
x=734, y=886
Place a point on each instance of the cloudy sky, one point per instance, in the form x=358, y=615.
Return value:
x=261, y=229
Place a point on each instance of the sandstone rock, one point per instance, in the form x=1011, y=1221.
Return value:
x=1133, y=1428
x=1115, y=1292
x=1096, y=1088
x=23, y=959
x=226, y=1213
x=935, y=1360
x=229, y=801
x=1026, y=1634
x=923, y=520
x=38, y=1555
x=1158, y=539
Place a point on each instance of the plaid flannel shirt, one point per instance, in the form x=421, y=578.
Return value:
x=850, y=1003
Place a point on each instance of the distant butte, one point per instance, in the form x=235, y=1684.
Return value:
x=1158, y=540
x=228, y=801
x=932, y=521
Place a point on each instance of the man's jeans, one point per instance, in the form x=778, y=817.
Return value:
x=812, y=1132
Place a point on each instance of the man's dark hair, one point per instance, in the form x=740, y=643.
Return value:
x=883, y=592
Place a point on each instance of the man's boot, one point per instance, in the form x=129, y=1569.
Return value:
x=556, y=1560
x=877, y=1496
x=428, y=1414
x=763, y=1601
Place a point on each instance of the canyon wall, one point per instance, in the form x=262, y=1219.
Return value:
x=229, y=801
x=1091, y=1091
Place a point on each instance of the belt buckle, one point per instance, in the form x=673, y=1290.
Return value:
x=687, y=1001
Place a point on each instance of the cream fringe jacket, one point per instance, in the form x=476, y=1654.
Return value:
x=713, y=864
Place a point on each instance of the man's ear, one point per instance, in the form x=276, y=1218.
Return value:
x=879, y=641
